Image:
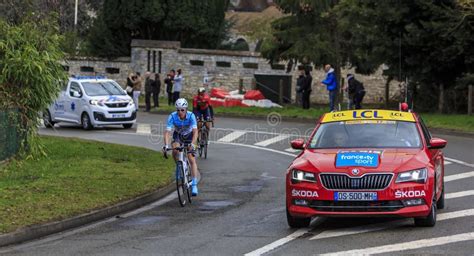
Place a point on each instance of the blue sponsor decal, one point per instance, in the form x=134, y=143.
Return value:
x=73, y=106
x=357, y=159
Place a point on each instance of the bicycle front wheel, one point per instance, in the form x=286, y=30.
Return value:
x=206, y=142
x=181, y=184
x=189, y=180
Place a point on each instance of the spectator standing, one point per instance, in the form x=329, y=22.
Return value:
x=137, y=88
x=177, y=85
x=169, y=87
x=148, y=90
x=129, y=87
x=356, y=88
x=331, y=85
x=306, y=92
x=299, y=88
x=156, y=89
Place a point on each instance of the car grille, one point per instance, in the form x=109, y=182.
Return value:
x=117, y=105
x=368, y=181
x=356, y=206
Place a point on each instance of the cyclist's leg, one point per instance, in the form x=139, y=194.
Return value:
x=207, y=117
x=174, y=144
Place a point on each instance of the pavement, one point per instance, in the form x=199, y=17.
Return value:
x=241, y=206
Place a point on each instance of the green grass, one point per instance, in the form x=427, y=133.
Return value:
x=76, y=177
x=462, y=123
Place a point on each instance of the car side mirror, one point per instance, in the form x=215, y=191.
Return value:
x=437, y=143
x=297, y=144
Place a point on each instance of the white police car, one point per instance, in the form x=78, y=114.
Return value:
x=91, y=101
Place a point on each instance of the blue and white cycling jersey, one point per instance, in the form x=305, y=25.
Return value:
x=182, y=126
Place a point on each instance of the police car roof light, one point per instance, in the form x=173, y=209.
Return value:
x=89, y=77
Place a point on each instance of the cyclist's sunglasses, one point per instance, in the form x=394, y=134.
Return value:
x=181, y=109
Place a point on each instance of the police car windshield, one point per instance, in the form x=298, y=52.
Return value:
x=102, y=88
x=367, y=134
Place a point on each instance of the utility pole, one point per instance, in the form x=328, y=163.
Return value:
x=75, y=13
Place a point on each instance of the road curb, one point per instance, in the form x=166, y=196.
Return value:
x=42, y=230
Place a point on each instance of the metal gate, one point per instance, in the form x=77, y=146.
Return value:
x=269, y=85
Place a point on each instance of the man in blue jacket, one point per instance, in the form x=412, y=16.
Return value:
x=331, y=85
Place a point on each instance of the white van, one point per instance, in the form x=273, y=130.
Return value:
x=91, y=101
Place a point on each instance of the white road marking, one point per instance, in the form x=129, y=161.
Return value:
x=447, y=162
x=144, y=128
x=232, y=136
x=456, y=214
x=459, y=194
x=255, y=147
x=278, y=243
x=459, y=162
x=272, y=140
x=458, y=176
x=437, y=241
x=386, y=225
x=292, y=150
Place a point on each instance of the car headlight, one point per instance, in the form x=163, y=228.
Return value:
x=298, y=176
x=419, y=176
x=131, y=103
x=96, y=103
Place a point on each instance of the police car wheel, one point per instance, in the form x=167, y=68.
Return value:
x=296, y=222
x=127, y=126
x=48, y=122
x=86, y=122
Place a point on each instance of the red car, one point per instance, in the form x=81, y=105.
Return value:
x=367, y=163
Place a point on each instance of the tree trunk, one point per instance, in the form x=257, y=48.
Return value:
x=441, y=98
x=387, y=91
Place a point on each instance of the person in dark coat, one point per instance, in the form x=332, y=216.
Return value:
x=306, y=90
x=357, y=90
x=299, y=86
x=155, y=90
x=169, y=87
x=148, y=90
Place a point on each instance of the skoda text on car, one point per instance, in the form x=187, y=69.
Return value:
x=367, y=163
x=90, y=102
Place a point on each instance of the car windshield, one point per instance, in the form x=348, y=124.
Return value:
x=102, y=88
x=366, y=134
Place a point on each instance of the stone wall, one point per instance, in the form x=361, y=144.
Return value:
x=226, y=68
x=117, y=69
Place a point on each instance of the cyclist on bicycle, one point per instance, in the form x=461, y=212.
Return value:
x=202, y=107
x=185, y=132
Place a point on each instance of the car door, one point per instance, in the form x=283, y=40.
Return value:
x=436, y=158
x=57, y=109
x=72, y=106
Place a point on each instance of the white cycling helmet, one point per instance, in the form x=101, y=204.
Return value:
x=201, y=90
x=181, y=103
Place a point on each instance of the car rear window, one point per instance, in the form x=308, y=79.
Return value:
x=367, y=134
x=102, y=88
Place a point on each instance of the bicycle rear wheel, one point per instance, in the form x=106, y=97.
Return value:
x=181, y=186
x=206, y=142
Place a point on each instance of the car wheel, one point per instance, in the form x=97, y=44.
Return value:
x=86, y=121
x=440, y=204
x=127, y=126
x=47, y=120
x=296, y=222
x=428, y=221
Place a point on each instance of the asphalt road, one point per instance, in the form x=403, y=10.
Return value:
x=241, y=206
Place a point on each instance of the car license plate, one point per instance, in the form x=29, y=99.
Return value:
x=118, y=116
x=355, y=196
